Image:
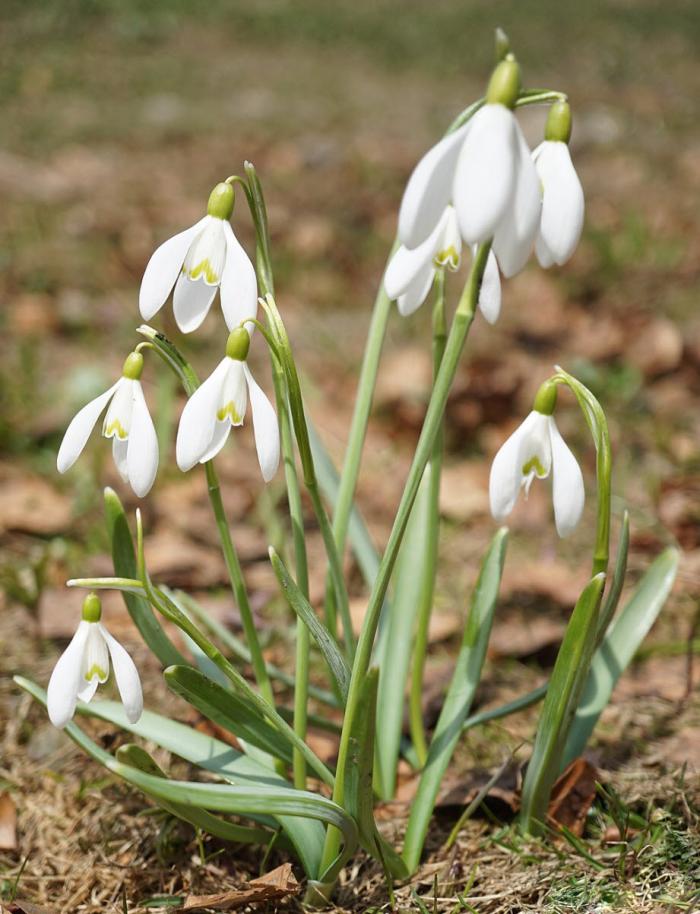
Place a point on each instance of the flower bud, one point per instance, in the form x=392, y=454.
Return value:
x=546, y=398
x=558, y=126
x=221, y=201
x=504, y=85
x=238, y=344
x=133, y=366
x=92, y=608
x=501, y=45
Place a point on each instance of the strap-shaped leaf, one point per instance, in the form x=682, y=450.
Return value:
x=137, y=757
x=323, y=638
x=619, y=646
x=227, y=709
x=124, y=559
x=612, y=598
x=459, y=696
x=565, y=686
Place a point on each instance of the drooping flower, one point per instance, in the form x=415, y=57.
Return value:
x=535, y=449
x=562, y=195
x=205, y=257
x=220, y=403
x=486, y=171
x=127, y=422
x=85, y=664
x=410, y=273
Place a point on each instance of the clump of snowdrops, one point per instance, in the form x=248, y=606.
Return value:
x=479, y=195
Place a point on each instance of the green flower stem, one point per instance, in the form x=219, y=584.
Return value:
x=431, y=425
x=174, y=359
x=428, y=584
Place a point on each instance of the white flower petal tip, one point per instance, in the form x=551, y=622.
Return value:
x=239, y=285
x=164, y=268
x=535, y=449
x=83, y=666
x=265, y=428
x=80, y=428
x=563, y=204
x=490, y=292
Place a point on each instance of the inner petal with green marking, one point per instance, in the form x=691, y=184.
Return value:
x=534, y=465
x=96, y=671
x=115, y=428
x=229, y=410
x=204, y=269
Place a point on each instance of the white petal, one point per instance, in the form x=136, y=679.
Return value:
x=429, y=189
x=62, y=691
x=95, y=661
x=142, y=454
x=265, y=428
x=191, y=302
x=239, y=286
x=118, y=417
x=449, y=247
x=78, y=431
x=407, y=263
x=417, y=292
x=87, y=690
x=120, y=448
x=544, y=255
x=163, y=269
x=198, y=418
x=234, y=394
x=517, y=230
x=219, y=439
x=530, y=439
x=127, y=677
x=568, y=492
x=485, y=176
x=562, y=202
x=490, y=292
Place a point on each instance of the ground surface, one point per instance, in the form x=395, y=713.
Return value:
x=116, y=123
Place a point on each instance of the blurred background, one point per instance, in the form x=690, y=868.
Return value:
x=119, y=117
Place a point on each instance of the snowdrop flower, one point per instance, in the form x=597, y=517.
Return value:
x=410, y=273
x=128, y=423
x=198, y=261
x=85, y=664
x=486, y=171
x=220, y=403
x=534, y=450
x=562, y=195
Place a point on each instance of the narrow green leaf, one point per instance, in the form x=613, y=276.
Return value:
x=618, y=580
x=568, y=676
x=619, y=646
x=395, y=649
x=211, y=754
x=131, y=754
x=511, y=707
x=124, y=559
x=323, y=638
x=229, y=710
x=459, y=696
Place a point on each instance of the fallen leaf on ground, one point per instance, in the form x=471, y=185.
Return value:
x=22, y=907
x=278, y=884
x=464, y=490
x=573, y=795
x=30, y=504
x=8, y=822
x=525, y=636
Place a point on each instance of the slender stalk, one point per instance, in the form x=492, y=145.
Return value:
x=415, y=710
x=431, y=425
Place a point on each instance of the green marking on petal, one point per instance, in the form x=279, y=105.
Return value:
x=229, y=410
x=448, y=257
x=534, y=464
x=95, y=671
x=115, y=428
x=205, y=269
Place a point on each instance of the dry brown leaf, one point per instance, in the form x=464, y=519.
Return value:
x=524, y=636
x=8, y=822
x=278, y=884
x=22, y=907
x=657, y=349
x=464, y=490
x=30, y=504
x=573, y=795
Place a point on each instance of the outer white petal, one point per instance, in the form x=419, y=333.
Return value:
x=568, y=493
x=142, y=453
x=517, y=230
x=490, y=292
x=562, y=202
x=408, y=263
x=87, y=690
x=198, y=418
x=265, y=427
x=486, y=171
x=544, y=255
x=417, y=292
x=506, y=475
x=191, y=302
x=221, y=432
x=429, y=189
x=239, y=286
x=120, y=448
x=127, y=677
x=78, y=431
x=163, y=269
x=65, y=681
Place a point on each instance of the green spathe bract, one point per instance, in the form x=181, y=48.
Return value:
x=363, y=684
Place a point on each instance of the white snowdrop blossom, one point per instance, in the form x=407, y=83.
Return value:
x=205, y=257
x=485, y=170
x=219, y=404
x=562, y=195
x=536, y=449
x=410, y=273
x=85, y=664
x=127, y=422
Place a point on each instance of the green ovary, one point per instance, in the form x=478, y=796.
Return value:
x=205, y=269
x=534, y=464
